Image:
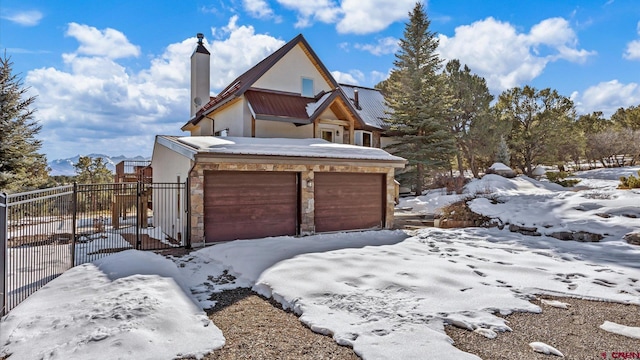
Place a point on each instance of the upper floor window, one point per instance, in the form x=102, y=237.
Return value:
x=363, y=138
x=307, y=87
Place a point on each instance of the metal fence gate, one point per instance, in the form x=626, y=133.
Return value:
x=46, y=232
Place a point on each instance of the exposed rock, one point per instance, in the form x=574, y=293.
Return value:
x=581, y=236
x=633, y=238
x=587, y=236
x=562, y=235
x=530, y=231
x=603, y=215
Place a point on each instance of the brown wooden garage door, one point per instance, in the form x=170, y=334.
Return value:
x=349, y=201
x=249, y=205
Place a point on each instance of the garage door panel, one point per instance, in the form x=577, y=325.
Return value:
x=348, y=201
x=239, y=230
x=248, y=205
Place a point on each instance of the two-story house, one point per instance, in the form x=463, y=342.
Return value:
x=283, y=150
x=289, y=94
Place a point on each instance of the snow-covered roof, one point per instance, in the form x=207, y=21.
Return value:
x=313, y=106
x=312, y=148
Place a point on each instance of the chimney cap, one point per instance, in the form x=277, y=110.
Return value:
x=200, y=36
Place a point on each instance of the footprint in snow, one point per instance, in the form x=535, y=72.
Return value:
x=603, y=282
x=381, y=332
x=480, y=273
x=503, y=263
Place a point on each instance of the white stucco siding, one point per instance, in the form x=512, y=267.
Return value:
x=246, y=119
x=168, y=165
x=287, y=74
x=328, y=114
x=277, y=129
x=231, y=118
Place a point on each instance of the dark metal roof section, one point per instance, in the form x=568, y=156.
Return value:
x=279, y=106
x=243, y=82
x=371, y=108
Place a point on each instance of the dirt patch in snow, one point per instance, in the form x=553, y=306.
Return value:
x=258, y=328
x=574, y=331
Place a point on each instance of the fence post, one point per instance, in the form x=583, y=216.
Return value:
x=74, y=220
x=4, y=258
x=187, y=209
x=138, y=215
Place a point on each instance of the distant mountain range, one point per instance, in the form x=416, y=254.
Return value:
x=65, y=166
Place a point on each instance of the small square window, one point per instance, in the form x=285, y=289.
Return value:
x=307, y=87
x=327, y=135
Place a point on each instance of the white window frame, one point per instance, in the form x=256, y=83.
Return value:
x=359, y=137
x=331, y=131
x=302, y=87
x=336, y=130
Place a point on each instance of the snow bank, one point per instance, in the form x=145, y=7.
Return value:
x=372, y=298
x=128, y=305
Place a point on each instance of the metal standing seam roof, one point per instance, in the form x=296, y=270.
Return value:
x=373, y=110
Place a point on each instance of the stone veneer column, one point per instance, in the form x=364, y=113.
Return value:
x=197, y=205
x=307, y=205
x=391, y=201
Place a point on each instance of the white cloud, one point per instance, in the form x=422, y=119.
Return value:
x=350, y=16
x=97, y=105
x=633, y=48
x=384, y=46
x=108, y=43
x=507, y=58
x=607, y=97
x=325, y=11
x=346, y=78
x=363, y=17
x=260, y=9
x=25, y=18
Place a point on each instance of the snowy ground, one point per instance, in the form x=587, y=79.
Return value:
x=386, y=293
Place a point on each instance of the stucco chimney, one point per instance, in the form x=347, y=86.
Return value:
x=200, y=70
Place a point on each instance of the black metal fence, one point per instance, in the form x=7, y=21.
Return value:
x=46, y=232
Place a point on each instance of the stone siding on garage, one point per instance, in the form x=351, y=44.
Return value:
x=307, y=184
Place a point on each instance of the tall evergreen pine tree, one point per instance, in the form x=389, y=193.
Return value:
x=419, y=102
x=21, y=166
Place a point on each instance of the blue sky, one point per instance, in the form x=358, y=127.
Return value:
x=109, y=75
